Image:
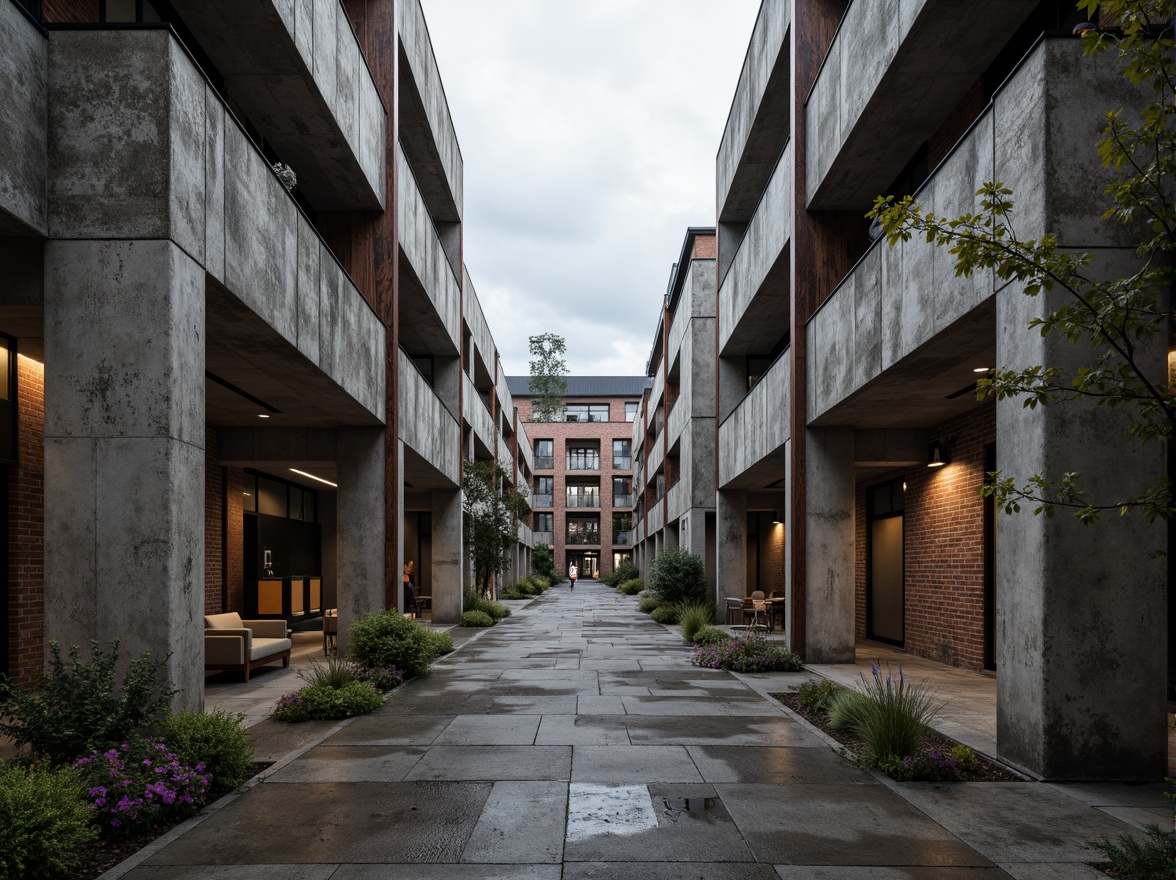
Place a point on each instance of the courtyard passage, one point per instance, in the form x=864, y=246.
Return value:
x=575, y=740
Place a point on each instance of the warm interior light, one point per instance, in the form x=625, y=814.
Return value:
x=263, y=415
x=313, y=477
x=981, y=369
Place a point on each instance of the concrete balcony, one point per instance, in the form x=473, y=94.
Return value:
x=679, y=419
x=483, y=351
x=677, y=501
x=432, y=305
x=752, y=437
x=893, y=74
x=655, y=520
x=657, y=455
x=526, y=453
x=506, y=460
x=547, y=538
x=753, y=295
x=297, y=71
x=475, y=413
x=526, y=536
x=426, y=128
x=428, y=429
x=583, y=502
x=758, y=124
x=24, y=78
x=902, y=333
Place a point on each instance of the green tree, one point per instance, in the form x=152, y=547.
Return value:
x=549, y=385
x=490, y=525
x=1114, y=315
x=543, y=560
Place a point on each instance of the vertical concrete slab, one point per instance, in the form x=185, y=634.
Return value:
x=124, y=443
x=447, y=555
x=731, y=552
x=360, y=525
x=1081, y=610
x=829, y=514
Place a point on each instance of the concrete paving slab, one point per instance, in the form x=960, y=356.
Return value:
x=234, y=872
x=775, y=765
x=622, y=764
x=599, y=705
x=663, y=871
x=509, y=704
x=846, y=872
x=408, y=729
x=273, y=739
x=494, y=762
x=447, y=872
x=582, y=730
x=1065, y=871
x=522, y=822
x=351, y=764
x=719, y=730
x=841, y=825
x=486, y=730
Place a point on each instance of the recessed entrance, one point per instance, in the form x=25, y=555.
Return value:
x=587, y=563
x=885, y=583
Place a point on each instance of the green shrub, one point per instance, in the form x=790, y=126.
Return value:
x=965, y=758
x=893, y=714
x=846, y=709
x=542, y=583
x=1152, y=859
x=694, y=617
x=318, y=702
x=514, y=593
x=677, y=576
x=667, y=614
x=382, y=678
x=752, y=653
x=494, y=610
x=815, y=696
x=78, y=707
x=215, y=739
x=388, y=638
x=543, y=561
x=477, y=618
x=711, y=635
x=648, y=603
x=626, y=571
x=631, y=587
x=46, y=821
x=440, y=643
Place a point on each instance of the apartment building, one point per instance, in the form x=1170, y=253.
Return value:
x=674, y=432
x=847, y=368
x=583, y=494
x=228, y=387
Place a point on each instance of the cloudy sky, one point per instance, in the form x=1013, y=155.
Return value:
x=589, y=133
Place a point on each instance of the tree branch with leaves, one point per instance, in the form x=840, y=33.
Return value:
x=549, y=385
x=492, y=511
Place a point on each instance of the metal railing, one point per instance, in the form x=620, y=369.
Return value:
x=544, y=538
x=538, y=501
x=590, y=538
x=583, y=462
x=578, y=500
x=544, y=462
x=622, y=500
x=621, y=537
x=622, y=462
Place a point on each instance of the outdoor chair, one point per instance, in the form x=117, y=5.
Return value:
x=243, y=645
x=734, y=609
x=330, y=630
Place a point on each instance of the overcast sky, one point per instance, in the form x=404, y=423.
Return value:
x=589, y=132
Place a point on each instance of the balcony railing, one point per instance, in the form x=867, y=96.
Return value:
x=621, y=538
x=583, y=463
x=583, y=500
x=591, y=538
x=540, y=501
x=622, y=462
x=544, y=538
x=622, y=501
x=544, y=462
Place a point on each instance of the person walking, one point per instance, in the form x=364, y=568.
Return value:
x=572, y=573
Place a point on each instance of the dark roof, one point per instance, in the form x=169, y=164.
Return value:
x=587, y=386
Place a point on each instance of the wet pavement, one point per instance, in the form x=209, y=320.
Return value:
x=575, y=740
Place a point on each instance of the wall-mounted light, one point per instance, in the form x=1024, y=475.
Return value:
x=776, y=518
x=313, y=477
x=937, y=455
x=981, y=369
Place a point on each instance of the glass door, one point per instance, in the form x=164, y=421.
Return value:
x=885, y=581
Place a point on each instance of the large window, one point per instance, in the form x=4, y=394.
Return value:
x=622, y=459
x=622, y=525
x=630, y=410
x=544, y=492
x=583, y=496
x=583, y=458
x=586, y=412
x=544, y=455
x=117, y=11
x=544, y=522
x=622, y=492
x=583, y=530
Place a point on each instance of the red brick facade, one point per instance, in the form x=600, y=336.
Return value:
x=943, y=539
x=26, y=505
x=214, y=550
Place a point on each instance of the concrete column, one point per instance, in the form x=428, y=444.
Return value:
x=829, y=571
x=731, y=549
x=1081, y=610
x=124, y=452
x=692, y=537
x=359, y=512
x=447, y=555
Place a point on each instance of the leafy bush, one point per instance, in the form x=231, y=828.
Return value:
x=667, y=614
x=382, y=678
x=513, y=592
x=677, y=576
x=1152, y=859
x=215, y=740
x=648, y=603
x=933, y=765
x=816, y=696
x=77, y=708
x=477, y=618
x=543, y=561
x=626, y=571
x=751, y=653
x=317, y=702
x=693, y=617
x=890, y=716
x=46, y=821
x=711, y=635
x=543, y=583
x=388, y=638
x=494, y=610
x=631, y=587
x=965, y=758
x=440, y=643
x=139, y=784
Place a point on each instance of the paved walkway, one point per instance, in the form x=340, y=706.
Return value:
x=574, y=740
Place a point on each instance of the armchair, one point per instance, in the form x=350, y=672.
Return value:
x=243, y=645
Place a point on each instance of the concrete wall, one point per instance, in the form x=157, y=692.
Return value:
x=426, y=426
x=829, y=554
x=758, y=427
x=476, y=415
x=296, y=69
x=360, y=525
x=24, y=78
x=483, y=341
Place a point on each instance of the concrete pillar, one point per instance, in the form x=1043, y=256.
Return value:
x=447, y=555
x=359, y=512
x=731, y=540
x=692, y=537
x=124, y=452
x=1081, y=610
x=829, y=552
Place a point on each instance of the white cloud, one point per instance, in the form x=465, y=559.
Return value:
x=589, y=133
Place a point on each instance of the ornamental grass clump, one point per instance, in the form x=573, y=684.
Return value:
x=631, y=587
x=647, y=604
x=1153, y=858
x=693, y=617
x=494, y=610
x=750, y=653
x=892, y=716
x=45, y=817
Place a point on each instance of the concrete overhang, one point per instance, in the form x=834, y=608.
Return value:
x=24, y=79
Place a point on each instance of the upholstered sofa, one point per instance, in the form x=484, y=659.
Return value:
x=243, y=645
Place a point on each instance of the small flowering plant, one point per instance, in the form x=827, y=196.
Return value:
x=933, y=765
x=382, y=678
x=138, y=784
x=749, y=653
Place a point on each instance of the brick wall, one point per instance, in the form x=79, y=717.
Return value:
x=26, y=506
x=235, y=533
x=944, y=547
x=73, y=11
x=214, y=551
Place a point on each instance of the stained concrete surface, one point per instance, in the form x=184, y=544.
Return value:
x=465, y=775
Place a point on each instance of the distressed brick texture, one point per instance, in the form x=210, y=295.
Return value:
x=26, y=527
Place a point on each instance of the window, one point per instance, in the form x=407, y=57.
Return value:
x=544, y=492
x=583, y=458
x=583, y=496
x=129, y=11
x=630, y=410
x=620, y=558
x=544, y=522
x=622, y=460
x=544, y=455
x=622, y=524
x=586, y=412
x=661, y=486
x=583, y=530
x=622, y=492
